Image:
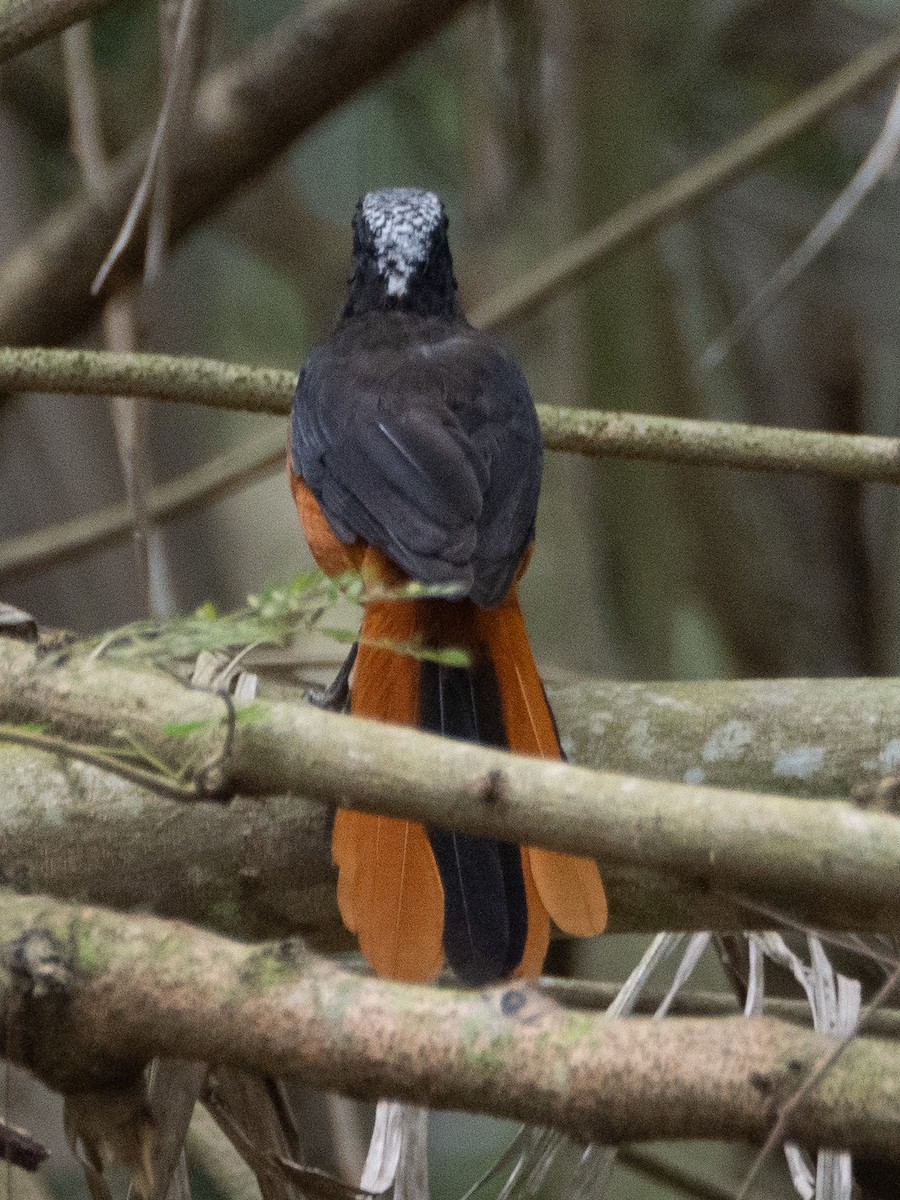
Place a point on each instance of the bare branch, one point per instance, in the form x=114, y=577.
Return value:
x=820, y=1069
x=580, y=431
x=137, y=988
x=84, y=108
x=171, y=13
x=129, y=416
x=877, y=164
x=773, y=848
x=145, y=184
x=596, y=994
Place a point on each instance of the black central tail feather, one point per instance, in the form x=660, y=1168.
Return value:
x=485, y=909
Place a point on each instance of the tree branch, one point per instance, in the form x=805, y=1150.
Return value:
x=803, y=737
x=256, y=868
x=24, y=23
x=596, y=994
x=773, y=848
x=246, y=114
x=133, y=988
x=583, y=431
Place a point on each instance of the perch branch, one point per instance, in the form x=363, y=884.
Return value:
x=256, y=868
x=773, y=848
x=582, y=431
x=138, y=988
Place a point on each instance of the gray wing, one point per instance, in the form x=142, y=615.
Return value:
x=434, y=457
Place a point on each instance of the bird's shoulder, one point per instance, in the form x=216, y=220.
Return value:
x=399, y=358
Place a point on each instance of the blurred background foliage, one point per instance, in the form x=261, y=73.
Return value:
x=533, y=119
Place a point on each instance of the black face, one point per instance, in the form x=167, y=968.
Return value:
x=401, y=257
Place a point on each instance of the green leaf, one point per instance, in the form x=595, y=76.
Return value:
x=183, y=728
x=250, y=712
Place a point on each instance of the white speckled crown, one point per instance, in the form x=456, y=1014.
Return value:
x=401, y=221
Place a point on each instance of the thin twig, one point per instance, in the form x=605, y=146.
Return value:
x=152, y=780
x=23, y=23
x=187, y=69
x=139, y=202
x=593, y=994
x=877, y=164
x=84, y=108
x=129, y=416
x=844, y=942
x=239, y=388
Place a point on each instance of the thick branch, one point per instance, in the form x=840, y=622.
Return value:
x=252, y=869
x=135, y=987
x=777, y=849
x=255, y=868
x=24, y=23
x=805, y=737
x=247, y=113
x=261, y=868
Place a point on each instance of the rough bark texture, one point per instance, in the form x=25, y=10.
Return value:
x=80, y=980
x=255, y=868
x=580, y=431
x=258, y=867
x=775, y=849
x=801, y=737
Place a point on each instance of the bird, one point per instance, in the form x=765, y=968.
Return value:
x=415, y=457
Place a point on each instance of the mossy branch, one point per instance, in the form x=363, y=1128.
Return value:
x=110, y=991
x=826, y=862
x=580, y=431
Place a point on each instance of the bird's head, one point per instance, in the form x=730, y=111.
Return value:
x=401, y=257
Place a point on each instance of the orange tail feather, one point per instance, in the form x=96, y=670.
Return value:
x=345, y=839
x=569, y=886
x=538, y=940
x=389, y=889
